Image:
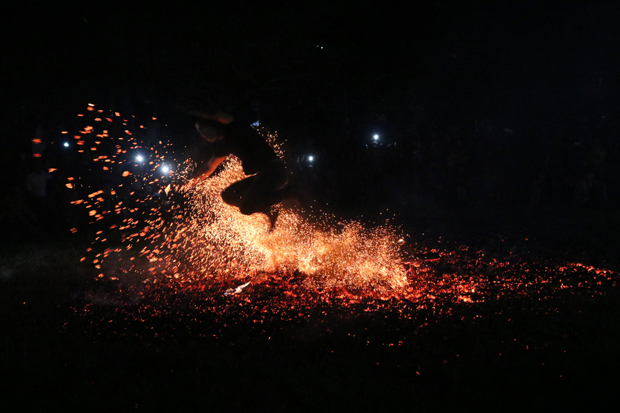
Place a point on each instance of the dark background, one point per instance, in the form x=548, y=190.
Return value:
x=478, y=104
x=491, y=115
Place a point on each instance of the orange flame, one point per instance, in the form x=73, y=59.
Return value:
x=219, y=240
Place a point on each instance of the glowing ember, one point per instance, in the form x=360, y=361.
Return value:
x=217, y=240
x=202, y=238
x=186, y=255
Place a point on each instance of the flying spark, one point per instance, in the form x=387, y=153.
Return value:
x=193, y=235
x=164, y=244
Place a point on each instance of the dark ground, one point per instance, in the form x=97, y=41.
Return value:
x=510, y=354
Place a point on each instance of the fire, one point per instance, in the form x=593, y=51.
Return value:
x=208, y=240
x=331, y=253
x=170, y=243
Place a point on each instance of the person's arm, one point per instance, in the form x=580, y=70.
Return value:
x=207, y=169
x=221, y=117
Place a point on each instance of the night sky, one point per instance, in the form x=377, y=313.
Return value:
x=513, y=59
x=517, y=82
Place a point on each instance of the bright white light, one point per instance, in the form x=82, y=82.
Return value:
x=165, y=169
x=375, y=137
x=310, y=158
x=66, y=144
x=139, y=158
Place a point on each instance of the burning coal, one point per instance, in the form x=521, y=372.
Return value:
x=170, y=251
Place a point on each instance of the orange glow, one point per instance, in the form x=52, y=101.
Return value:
x=37, y=155
x=215, y=239
x=50, y=170
x=36, y=140
x=211, y=240
x=332, y=254
x=70, y=186
x=186, y=244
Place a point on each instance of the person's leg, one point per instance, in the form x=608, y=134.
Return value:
x=266, y=191
x=235, y=193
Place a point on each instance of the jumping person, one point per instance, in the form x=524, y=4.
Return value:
x=267, y=184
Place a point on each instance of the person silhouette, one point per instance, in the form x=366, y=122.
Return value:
x=267, y=183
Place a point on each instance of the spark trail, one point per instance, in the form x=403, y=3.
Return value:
x=171, y=252
x=216, y=239
x=193, y=235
